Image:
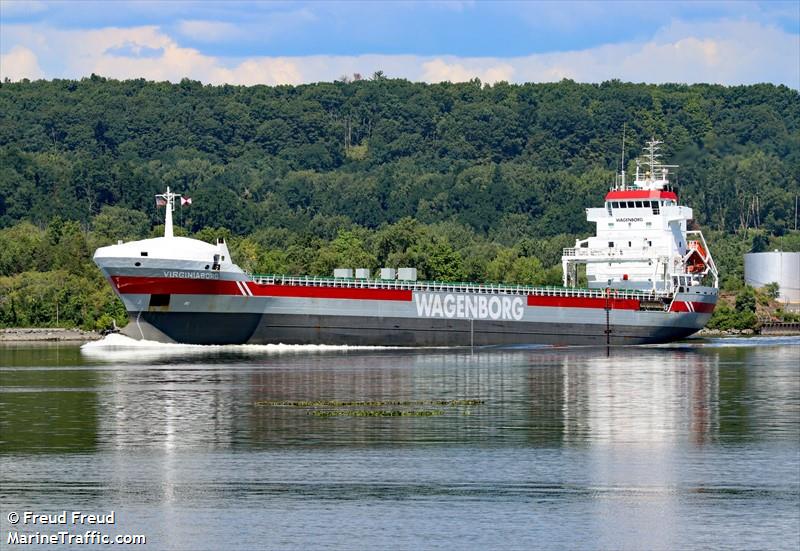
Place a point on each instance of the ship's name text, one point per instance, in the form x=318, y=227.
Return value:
x=629, y=219
x=495, y=307
x=191, y=275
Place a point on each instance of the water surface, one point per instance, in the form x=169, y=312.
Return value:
x=674, y=447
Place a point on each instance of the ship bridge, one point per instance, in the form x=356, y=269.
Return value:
x=642, y=240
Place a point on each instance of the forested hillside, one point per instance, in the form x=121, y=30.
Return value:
x=461, y=180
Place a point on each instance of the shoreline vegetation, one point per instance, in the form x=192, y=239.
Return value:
x=465, y=182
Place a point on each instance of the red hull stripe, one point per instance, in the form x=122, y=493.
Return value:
x=583, y=302
x=329, y=292
x=641, y=194
x=696, y=307
x=128, y=285
x=172, y=286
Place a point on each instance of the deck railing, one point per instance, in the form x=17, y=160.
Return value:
x=454, y=287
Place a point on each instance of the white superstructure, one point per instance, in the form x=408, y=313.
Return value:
x=642, y=241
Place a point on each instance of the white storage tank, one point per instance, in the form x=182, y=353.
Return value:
x=407, y=274
x=388, y=273
x=343, y=272
x=362, y=273
x=776, y=266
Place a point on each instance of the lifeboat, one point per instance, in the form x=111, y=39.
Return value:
x=696, y=259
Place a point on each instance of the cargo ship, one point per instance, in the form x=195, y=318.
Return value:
x=642, y=278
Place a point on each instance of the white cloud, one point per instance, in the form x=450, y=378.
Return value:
x=439, y=70
x=726, y=52
x=207, y=31
x=254, y=30
x=20, y=63
x=259, y=71
x=734, y=52
x=144, y=52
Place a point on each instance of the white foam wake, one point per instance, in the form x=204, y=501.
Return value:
x=122, y=348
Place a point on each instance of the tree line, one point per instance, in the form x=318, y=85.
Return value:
x=464, y=181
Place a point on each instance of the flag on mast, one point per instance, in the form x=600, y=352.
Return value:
x=161, y=202
x=186, y=201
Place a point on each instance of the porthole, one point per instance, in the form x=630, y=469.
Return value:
x=137, y=264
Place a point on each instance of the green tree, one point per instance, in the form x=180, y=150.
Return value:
x=115, y=223
x=746, y=300
x=22, y=248
x=772, y=290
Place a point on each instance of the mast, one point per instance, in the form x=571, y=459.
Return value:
x=622, y=160
x=656, y=173
x=168, y=200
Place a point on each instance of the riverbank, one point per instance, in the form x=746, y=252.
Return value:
x=57, y=334
x=726, y=333
x=767, y=330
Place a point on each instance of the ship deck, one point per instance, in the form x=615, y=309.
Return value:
x=455, y=287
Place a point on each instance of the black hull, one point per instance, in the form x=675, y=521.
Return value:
x=244, y=328
x=192, y=328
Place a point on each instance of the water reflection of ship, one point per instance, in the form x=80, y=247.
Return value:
x=640, y=397
x=170, y=408
x=531, y=397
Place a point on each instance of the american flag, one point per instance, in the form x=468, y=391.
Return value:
x=161, y=202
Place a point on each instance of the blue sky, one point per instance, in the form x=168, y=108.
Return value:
x=294, y=42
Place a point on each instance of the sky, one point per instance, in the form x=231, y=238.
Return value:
x=282, y=42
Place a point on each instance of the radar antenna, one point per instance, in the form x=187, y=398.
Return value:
x=655, y=172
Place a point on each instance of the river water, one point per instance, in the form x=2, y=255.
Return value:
x=694, y=445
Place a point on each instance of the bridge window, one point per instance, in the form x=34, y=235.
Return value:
x=638, y=204
x=610, y=244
